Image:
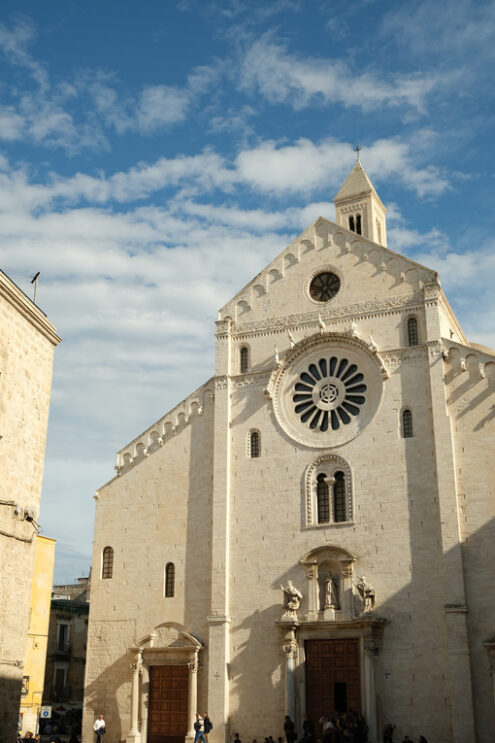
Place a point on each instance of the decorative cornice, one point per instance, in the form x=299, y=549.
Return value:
x=358, y=311
x=219, y=619
x=165, y=428
x=27, y=309
x=243, y=380
x=455, y=609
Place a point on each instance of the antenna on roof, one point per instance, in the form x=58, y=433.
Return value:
x=34, y=281
x=357, y=150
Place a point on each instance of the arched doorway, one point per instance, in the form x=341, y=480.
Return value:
x=164, y=688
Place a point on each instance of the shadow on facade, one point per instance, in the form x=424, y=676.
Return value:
x=10, y=701
x=101, y=696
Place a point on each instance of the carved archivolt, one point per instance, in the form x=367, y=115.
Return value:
x=327, y=464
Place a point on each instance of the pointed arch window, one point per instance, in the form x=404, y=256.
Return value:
x=107, y=563
x=358, y=224
x=322, y=499
x=407, y=424
x=352, y=224
x=412, y=332
x=244, y=359
x=254, y=444
x=169, y=580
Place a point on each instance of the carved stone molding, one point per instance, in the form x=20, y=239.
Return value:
x=356, y=311
x=245, y=380
x=221, y=383
x=334, y=463
x=397, y=356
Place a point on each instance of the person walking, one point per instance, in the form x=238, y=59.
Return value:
x=289, y=729
x=99, y=728
x=207, y=725
x=198, y=725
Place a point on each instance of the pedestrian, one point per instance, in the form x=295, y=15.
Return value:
x=422, y=739
x=207, y=725
x=289, y=729
x=198, y=729
x=388, y=733
x=308, y=729
x=406, y=739
x=99, y=728
x=236, y=738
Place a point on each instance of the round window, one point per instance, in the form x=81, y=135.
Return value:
x=324, y=286
x=327, y=391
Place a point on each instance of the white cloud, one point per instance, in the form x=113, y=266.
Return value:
x=305, y=165
x=11, y=124
x=161, y=105
x=282, y=77
x=438, y=27
x=14, y=42
x=76, y=114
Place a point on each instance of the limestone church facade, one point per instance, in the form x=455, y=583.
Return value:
x=313, y=529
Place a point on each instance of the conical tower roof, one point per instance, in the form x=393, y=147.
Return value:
x=356, y=184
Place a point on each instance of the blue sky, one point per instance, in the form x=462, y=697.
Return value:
x=155, y=156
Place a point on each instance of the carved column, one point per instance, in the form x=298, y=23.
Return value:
x=370, y=652
x=290, y=648
x=134, y=735
x=347, y=596
x=313, y=590
x=192, y=697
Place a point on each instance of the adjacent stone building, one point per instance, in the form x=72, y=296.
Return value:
x=312, y=530
x=27, y=342
x=66, y=655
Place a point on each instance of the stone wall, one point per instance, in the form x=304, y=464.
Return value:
x=27, y=341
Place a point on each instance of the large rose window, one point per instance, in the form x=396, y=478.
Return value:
x=327, y=390
x=329, y=393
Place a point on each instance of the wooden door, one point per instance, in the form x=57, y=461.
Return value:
x=168, y=702
x=332, y=677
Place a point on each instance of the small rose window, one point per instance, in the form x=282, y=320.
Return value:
x=324, y=286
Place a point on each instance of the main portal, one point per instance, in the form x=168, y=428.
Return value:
x=168, y=700
x=332, y=677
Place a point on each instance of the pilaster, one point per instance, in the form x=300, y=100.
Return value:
x=134, y=735
x=290, y=650
x=454, y=597
x=219, y=618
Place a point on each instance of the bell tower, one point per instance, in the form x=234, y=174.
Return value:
x=359, y=208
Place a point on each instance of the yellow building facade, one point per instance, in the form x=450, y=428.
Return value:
x=37, y=638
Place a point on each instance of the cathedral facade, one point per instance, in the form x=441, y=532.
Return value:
x=311, y=531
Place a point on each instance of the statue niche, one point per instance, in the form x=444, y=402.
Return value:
x=329, y=573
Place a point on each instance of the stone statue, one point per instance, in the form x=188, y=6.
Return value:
x=292, y=601
x=368, y=595
x=331, y=593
